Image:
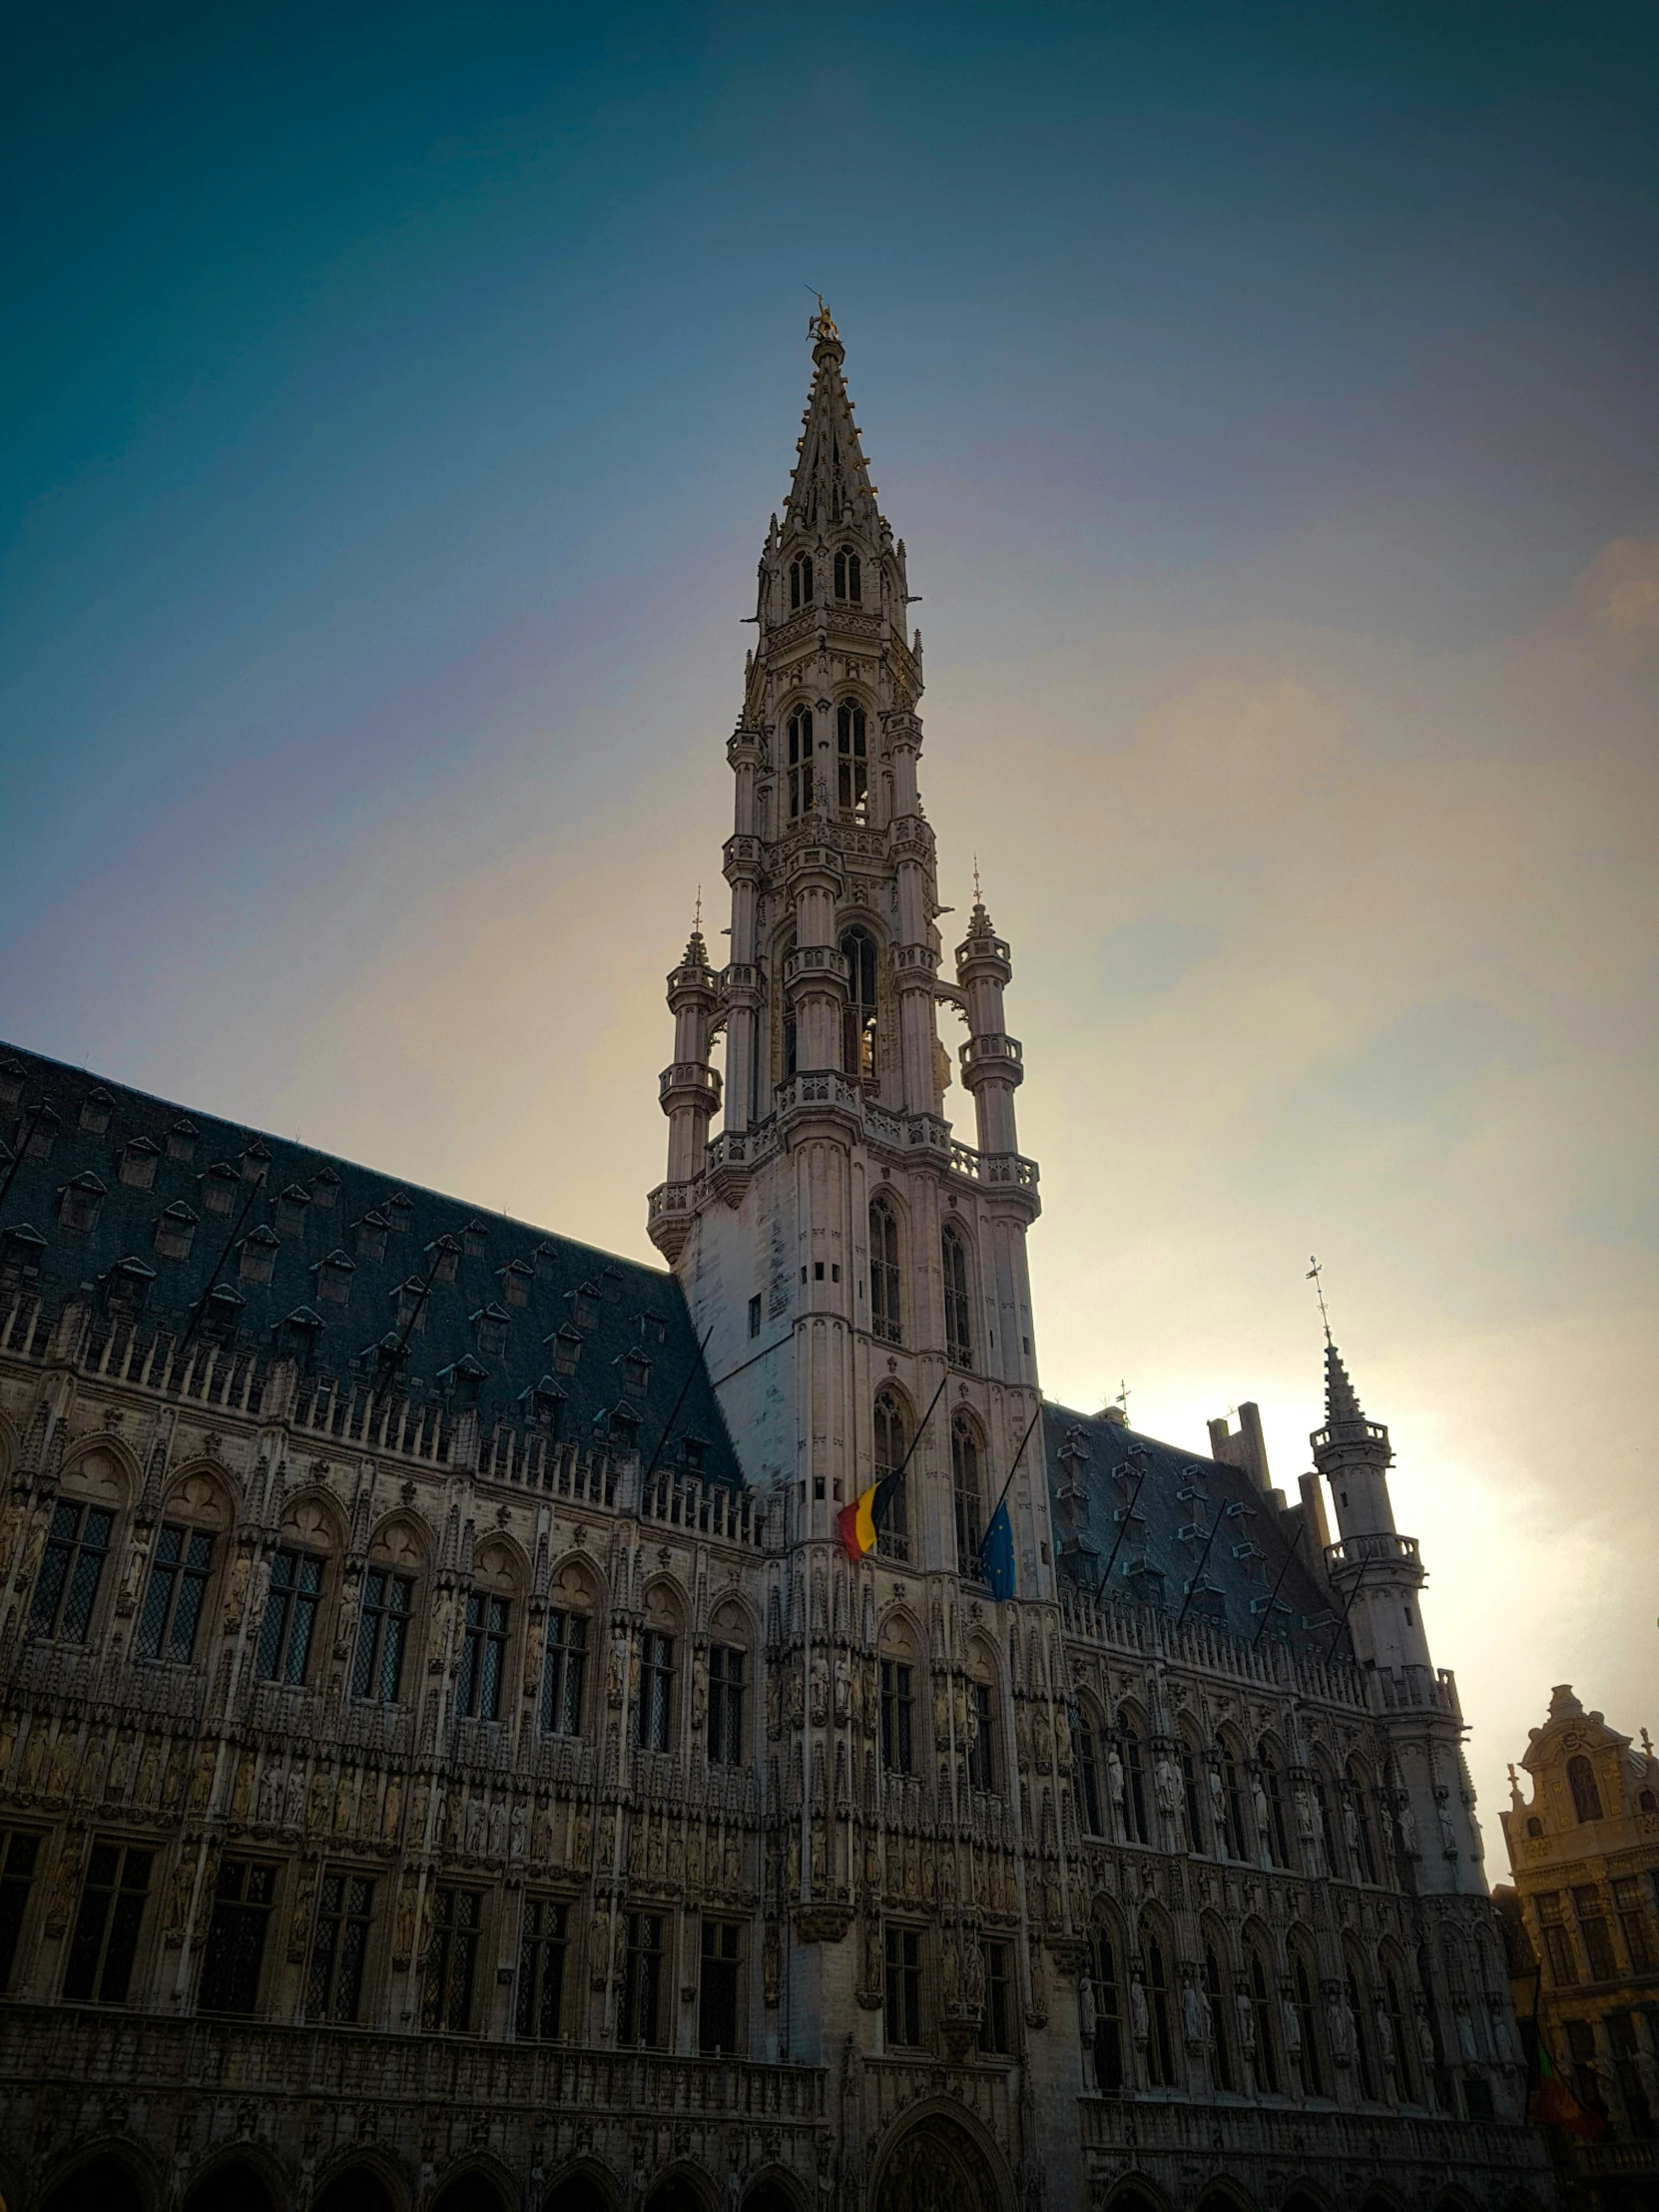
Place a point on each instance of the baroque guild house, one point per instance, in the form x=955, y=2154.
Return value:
x=452, y=1758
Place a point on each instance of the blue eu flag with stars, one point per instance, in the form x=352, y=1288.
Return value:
x=997, y=1554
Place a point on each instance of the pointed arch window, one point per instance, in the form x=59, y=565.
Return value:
x=1586, y=1798
x=1266, y=2049
x=1225, y=2079
x=959, y=1331
x=1133, y=1780
x=966, y=1497
x=858, y=949
x=852, y=759
x=893, y=1536
x=1307, y=2021
x=849, y=575
x=886, y=1313
x=799, y=733
x=1160, y=2043
x=801, y=581
x=1108, y=2017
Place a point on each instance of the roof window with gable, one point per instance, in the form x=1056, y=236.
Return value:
x=220, y=1312
x=13, y=1075
x=476, y=1240
x=412, y=1304
x=334, y=1276
x=490, y=1329
x=219, y=1188
x=138, y=1163
x=652, y=1327
x=443, y=1258
x=398, y=1208
x=126, y=1286
x=20, y=1251
x=324, y=1188
x=516, y=1278
x=622, y=1425
x=180, y=1141
x=43, y=1126
x=176, y=1231
x=95, y=1108
x=256, y=1161
x=463, y=1379
x=544, y=1402
x=290, y=1208
x=369, y=1236
x=584, y=1304
x=566, y=1347
x=258, y=1255
x=79, y=1205
x=636, y=1372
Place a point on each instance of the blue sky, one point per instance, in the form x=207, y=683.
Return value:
x=395, y=401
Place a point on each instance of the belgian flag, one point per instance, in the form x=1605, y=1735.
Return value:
x=1552, y=2103
x=861, y=1521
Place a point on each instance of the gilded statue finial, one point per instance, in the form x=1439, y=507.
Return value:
x=821, y=325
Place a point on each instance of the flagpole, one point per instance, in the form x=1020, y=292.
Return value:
x=1012, y=1471
x=922, y=1426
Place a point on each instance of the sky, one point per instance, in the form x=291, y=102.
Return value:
x=395, y=401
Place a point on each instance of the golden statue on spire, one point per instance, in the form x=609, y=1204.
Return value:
x=821, y=325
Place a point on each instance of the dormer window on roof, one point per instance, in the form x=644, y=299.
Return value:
x=43, y=1126
x=476, y=1240
x=95, y=1112
x=258, y=1255
x=138, y=1163
x=79, y=1203
x=180, y=1141
x=490, y=1330
x=334, y=1276
x=13, y=1075
x=636, y=1372
x=290, y=1210
x=412, y=1299
x=516, y=1278
x=219, y=1188
x=127, y=1284
x=325, y=1187
x=397, y=1209
x=220, y=1312
x=584, y=1304
x=175, y=1232
x=20, y=1251
x=443, y=1257
x=544, y=1402
x=256, y=1161
x=622, y=1425
x=369, y=1236
x=566, y=1347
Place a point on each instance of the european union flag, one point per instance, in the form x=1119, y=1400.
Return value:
x=997, y=1554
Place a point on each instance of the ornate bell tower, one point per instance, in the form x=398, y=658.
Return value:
x=861, y=1273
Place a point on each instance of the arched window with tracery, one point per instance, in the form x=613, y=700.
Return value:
x=1221, y=2026
x=801, y=581
x=891, y=1438
x=958, y=1321
x=1306, y=2027
x=858, y=949
x=887, y=1317
x=800, y=735
x=849, y=582
x=967, y=1495
x=852, y=761
x=1134, y=1779
x=1586, y=1798
x=1108, y=2015
x=1267, y=2043
x=1160, y=2041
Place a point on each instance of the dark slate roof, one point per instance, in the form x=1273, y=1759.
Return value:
x=513, y=1289
x=1094, y=1465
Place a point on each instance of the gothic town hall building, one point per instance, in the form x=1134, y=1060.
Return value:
x=450, y=1760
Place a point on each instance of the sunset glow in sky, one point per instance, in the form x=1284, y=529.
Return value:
x=1265, y=397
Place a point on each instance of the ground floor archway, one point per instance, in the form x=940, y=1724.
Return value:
x=97, y=2185
x=233, y=2185
x=936, y=2166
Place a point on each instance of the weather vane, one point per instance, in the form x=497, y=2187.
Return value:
x=1315, y=1273
x=976, y=898
x=1122, y=1398
x=697, y=918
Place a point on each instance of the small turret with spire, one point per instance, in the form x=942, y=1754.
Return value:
x=992, y=1067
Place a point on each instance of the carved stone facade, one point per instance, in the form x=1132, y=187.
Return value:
x=1582, y=1924
x=495, y=1786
